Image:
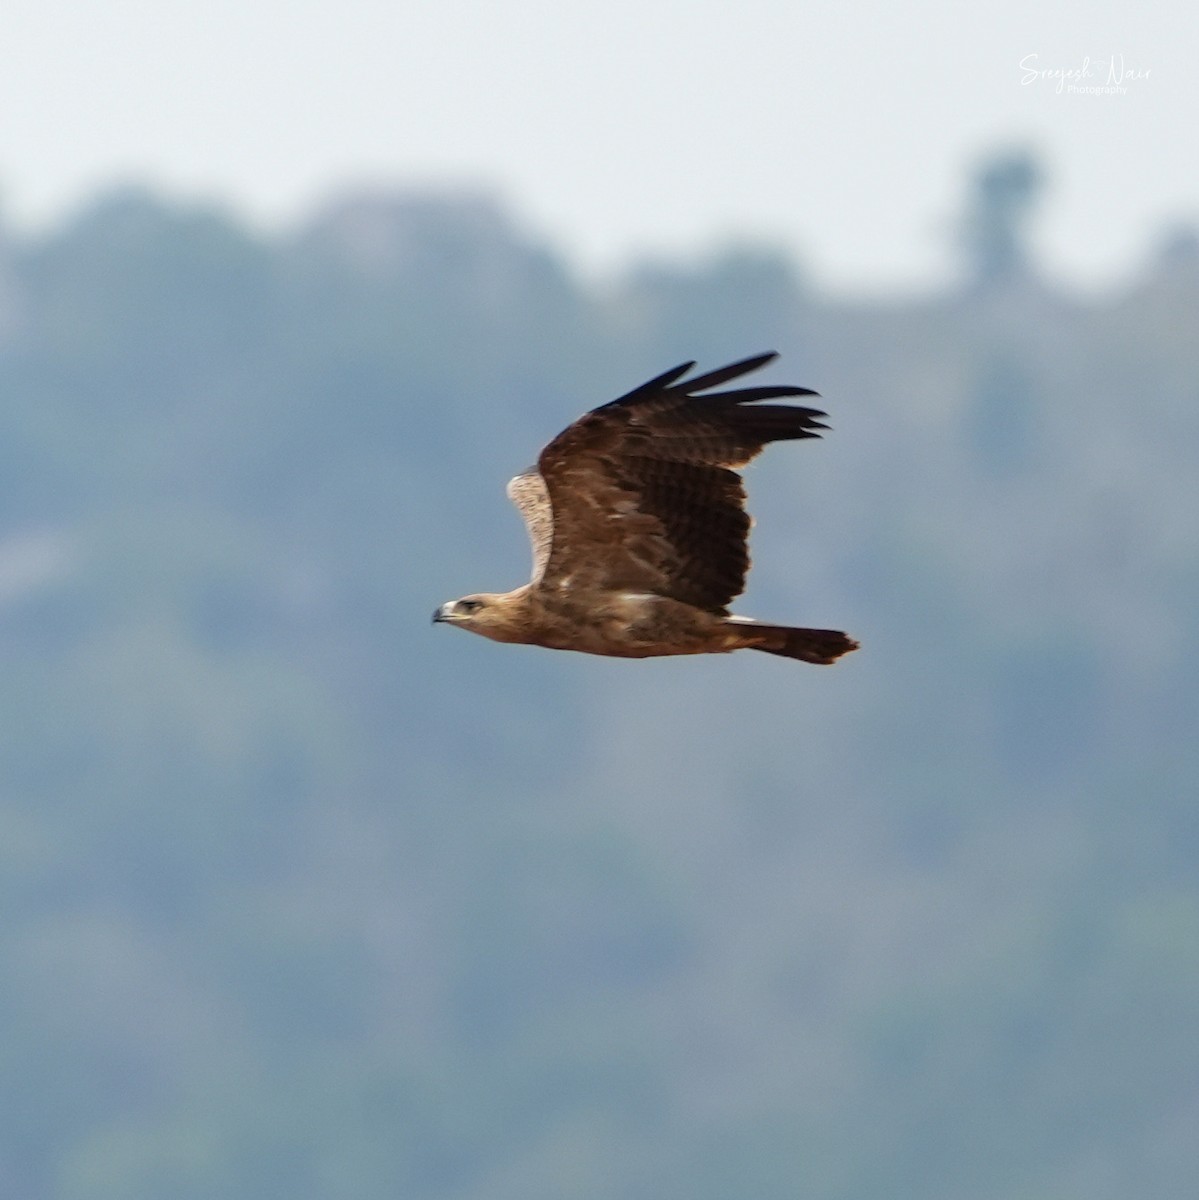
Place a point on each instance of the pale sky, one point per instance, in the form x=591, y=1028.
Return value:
x=842, y=131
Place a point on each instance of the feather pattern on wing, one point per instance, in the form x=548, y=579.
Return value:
x=643, y=492
x=527, y=492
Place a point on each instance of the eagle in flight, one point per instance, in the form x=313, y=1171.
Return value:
x=639, y=530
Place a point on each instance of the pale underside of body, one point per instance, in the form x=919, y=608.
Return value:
x=639, y=532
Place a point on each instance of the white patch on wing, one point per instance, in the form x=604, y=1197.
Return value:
x=741, y=620
x=529, y=493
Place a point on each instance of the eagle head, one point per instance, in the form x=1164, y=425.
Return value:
x=494, y=616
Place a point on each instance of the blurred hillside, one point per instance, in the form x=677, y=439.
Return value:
x=304, y=898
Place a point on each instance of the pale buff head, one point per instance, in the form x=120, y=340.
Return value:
x=501, y=617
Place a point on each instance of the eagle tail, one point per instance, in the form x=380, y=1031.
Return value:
x=809, y=645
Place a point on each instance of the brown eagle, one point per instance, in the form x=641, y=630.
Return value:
x=639, y=528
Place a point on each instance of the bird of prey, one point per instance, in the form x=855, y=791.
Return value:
x=637, y=519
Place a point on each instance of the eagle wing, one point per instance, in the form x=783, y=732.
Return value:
x=528, y=492
x=643, y=494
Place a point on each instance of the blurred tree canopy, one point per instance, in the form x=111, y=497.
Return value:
x=1004, y=192
x=303, y=898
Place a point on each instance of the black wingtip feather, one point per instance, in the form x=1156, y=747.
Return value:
x=749, y=395
x=685, y=391
x=776, y=422
x=658, y=383
x=732, y=371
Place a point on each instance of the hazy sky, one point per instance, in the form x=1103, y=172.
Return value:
x=843, y=130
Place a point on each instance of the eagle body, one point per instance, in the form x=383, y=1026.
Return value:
x=636, y=516
x=618, y=624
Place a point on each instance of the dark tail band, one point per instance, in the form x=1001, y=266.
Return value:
x=821, y=646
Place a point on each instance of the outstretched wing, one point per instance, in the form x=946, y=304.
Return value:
x=643, y=491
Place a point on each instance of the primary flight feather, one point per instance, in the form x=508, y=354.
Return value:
x=637, y=520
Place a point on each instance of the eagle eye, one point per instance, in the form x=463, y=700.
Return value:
x=469, y=606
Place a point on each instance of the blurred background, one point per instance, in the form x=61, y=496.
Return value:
x=302, y=897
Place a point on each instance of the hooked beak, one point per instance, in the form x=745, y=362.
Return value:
x=442, y=613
